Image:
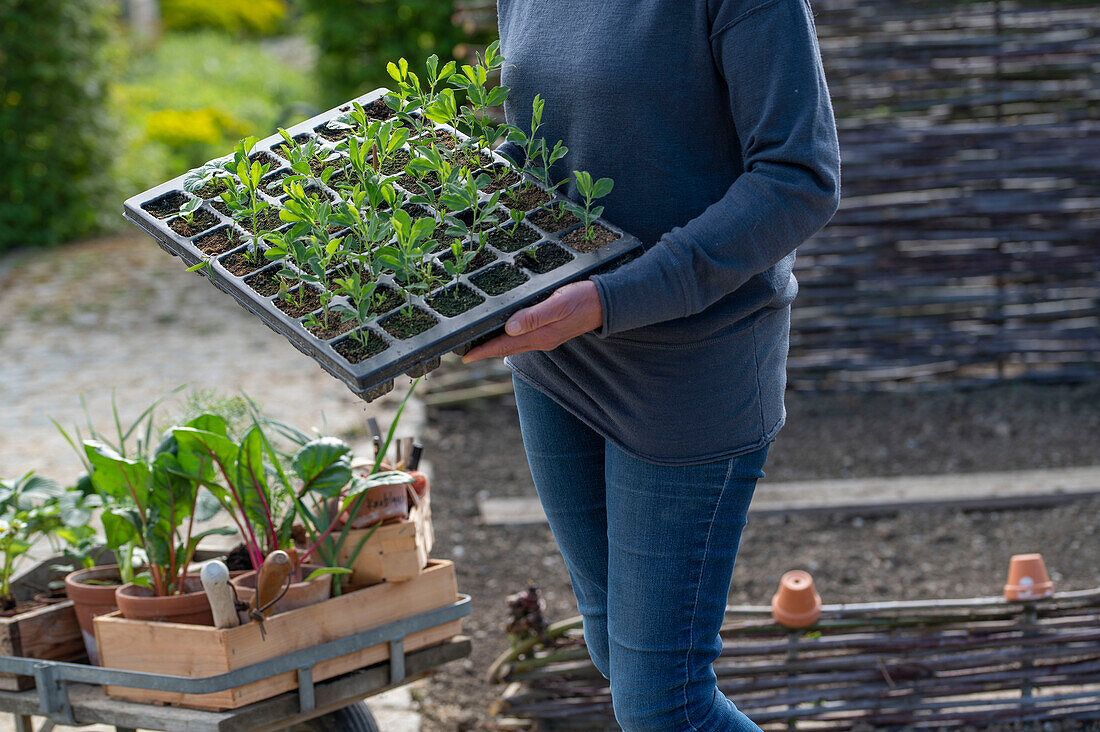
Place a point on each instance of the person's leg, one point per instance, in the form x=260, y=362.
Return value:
x=567, y=465
x=673, y=534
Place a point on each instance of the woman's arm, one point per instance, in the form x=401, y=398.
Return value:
x=767, y=52
x=790, y=189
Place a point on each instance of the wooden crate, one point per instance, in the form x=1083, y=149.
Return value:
x=195, y=651
x=48, y=632
x=395, y=552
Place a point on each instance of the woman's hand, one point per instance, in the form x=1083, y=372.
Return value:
x=572, y=310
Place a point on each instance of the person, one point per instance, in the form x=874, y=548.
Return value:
x=648, y=395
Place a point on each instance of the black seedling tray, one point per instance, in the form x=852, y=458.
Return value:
x=153, y=212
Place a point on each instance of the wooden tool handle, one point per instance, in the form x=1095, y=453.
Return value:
x=271, y=581
x=215, y=581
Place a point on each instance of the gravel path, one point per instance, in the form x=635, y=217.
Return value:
x=74, y=323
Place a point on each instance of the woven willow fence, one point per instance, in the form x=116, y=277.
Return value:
x=967, y=246
x=944, y=664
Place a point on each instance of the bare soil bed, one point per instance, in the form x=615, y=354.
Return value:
x=918, y=554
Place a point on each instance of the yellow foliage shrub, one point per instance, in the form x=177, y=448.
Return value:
x=262, y=17
x=180, y=128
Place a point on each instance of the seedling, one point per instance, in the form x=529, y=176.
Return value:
x=480, y=97
x=406, y=256
x=188, y=209
x=213, y=172
x=461, y=260
x=517, y=218
x=590, y=191
x=243, y=198
x=302, y=157
x=460, y=193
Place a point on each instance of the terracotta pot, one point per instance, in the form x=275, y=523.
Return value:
x=191, y=608
x=90, y=600
x=1027, y=578
x=796, y=604
x=299, y=594
x=383, y=503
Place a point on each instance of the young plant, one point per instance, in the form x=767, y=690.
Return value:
x=210, y=173
x=243, y=197
x=406, y=255
x=188, y=209
x=152, y=502
x=461, y=193
x=331, y=495
x=302, y=157
x=474, y=80
x=590, y=191
x=461, y=258
x=28, y=512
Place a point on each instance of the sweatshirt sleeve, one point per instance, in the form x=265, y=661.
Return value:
x=769, y=58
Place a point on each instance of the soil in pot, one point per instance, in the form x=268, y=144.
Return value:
x=525, y=198
x=355, y=350
x=601, y=237
x=299, y=301
x=300, y=138
x=93, y=593
x=265, y=283
x=502, y=177
x=213, y=189
x=272, y=183
x=512, y=239
x=439, y=137
x=553, y=219
x=200, y=222
x=298, y=594
x=454, y=300
x=265, y=158
x=238, y=559
x=416, y=211
x=484, y=257
x=334, y=326
x=543, y=258
x=192, y=608
x=218, y=241
x=397, y=163
x=385, y=299
x=268, y=220
x=499, y=279
x=407, y=322
x=331, y=133
x=166, y=205
x=242, y=263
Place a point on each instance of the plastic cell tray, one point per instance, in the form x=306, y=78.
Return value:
x=373, y=376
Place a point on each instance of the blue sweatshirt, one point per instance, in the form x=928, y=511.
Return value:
x=714, y=120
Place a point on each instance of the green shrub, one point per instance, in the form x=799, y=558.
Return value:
x=355, y=39
x=262, y=17
x=56, y=136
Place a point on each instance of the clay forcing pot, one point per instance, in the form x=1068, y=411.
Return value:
x=190, y=608
x=1027, y=578
x=90, y=600
x=796, y=604
x=299, y=594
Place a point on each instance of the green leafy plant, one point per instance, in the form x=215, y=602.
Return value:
x=480, y=96
x=151, y=501
x=29, y=511
x=188, y=209
x=590, y=191
x=405, y=257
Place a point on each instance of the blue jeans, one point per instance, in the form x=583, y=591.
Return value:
x=650, y=551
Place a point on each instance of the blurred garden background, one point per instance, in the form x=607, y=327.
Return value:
x=948, y=321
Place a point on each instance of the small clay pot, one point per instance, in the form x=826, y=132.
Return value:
x=299, y=594
x=90, y=600
x=191, y=608
x=1027, y=579
x=383, y=503
x=796, y=604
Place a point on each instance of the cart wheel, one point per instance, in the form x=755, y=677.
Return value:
x=356, y=718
